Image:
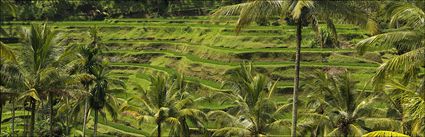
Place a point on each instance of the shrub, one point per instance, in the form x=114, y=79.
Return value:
x=373, y=56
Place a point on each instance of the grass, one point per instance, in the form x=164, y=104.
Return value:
x=205, y=52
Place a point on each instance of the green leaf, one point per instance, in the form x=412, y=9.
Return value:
x=384, y=134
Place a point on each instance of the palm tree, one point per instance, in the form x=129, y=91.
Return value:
x=254, y=110
x=167, y=101
x=101, y=99
x=8, y=69
x=10, y=82
x=339, y=109
x=56, y=85
x=299, y=10
x=84, y=59
x=38, y=68
x=11, y=79
x=407, y=37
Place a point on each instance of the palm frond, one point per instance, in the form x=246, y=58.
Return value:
x=6, y=52
x=198, y=114
x=418, y=128
x=280, y=123
x=220, y=116
x=302, y=4
x=401, y=63
x=252, y=11
x=391, y=39
x=284, y=108
x=32, y=93
x=356, y=130
x=342, y=10
x=334, y=132
x=230, y=10
x=383, y=123
x=384, y=134
x=409, y=13
x=172, y=121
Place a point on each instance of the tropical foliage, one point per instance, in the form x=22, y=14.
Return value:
x=341, y=109
x=254, y=113
x=167, y=101
x=184, y=75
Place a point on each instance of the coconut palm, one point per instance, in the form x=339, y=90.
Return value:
x=299, y=10
x=342, y=110
x=6, y=54
x=10, y=85
x=254, y=111
x=9, y=74
x=83, y=59
x=167, y=101
x=102, y=99
x=407, y=36
x=39, y=69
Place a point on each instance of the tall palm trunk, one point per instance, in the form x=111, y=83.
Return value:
x=13, y=119
x=67, y=118
x=96, y=118
x=185, y=128
x=25, y=120
x=32, y=122
x=296, y=79
x=51, y=113
x=159, y=128
x=1, y=113
x=86, y=107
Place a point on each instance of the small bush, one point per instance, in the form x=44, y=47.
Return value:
x=373, y=56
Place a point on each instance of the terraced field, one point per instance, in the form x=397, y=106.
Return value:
x=206, y=52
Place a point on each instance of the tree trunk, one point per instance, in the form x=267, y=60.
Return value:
x=51, y=113
x=13, y=119
x=296, y=79
x=185, y=128
x=32, y=122
x=67, y=118
x=96, y=118
x=25, y=120
x=1, y=113
x=159, y=128
x=86, y=107
x=332, y=27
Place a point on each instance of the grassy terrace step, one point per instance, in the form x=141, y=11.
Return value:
x=206, y=83
x=228, y=54
x=166, y=23
x=231, y=50
x=8, y=115
x=122, y=129
x=85, y=24
x=195, y=59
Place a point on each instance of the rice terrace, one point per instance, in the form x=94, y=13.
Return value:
x=212, y=68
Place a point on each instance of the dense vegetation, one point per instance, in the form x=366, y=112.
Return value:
x=212, y=68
